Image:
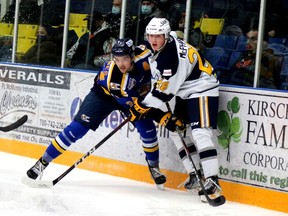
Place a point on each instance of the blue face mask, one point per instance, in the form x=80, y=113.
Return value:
x=115, y=10
x=41, y=38
x=146, y=9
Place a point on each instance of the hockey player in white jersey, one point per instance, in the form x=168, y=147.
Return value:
x=179, y=70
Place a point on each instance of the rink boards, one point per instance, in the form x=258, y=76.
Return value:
x=251, y=141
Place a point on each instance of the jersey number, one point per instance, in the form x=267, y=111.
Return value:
x=192, y=54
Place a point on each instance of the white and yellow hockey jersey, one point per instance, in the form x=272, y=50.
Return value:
x=179, y=70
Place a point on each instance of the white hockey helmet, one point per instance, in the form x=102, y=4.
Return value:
x=158, y=26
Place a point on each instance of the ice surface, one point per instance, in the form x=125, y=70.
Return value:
x=88, y=193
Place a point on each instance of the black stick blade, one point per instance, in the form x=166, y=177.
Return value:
x=217, y=201
x=15, y=125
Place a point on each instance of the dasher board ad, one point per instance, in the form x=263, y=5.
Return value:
x=51, y=98
x=45, y=95
x=253, y=138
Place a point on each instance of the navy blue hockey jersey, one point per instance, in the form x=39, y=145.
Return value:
x=124, y=86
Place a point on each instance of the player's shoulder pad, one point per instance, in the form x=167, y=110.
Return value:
x=141, y=54
x=141, y=58
x=142, y=47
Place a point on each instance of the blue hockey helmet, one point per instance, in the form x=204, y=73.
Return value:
x=123, y=47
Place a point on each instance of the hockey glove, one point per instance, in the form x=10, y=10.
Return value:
x=138, y=111
x=171, y=122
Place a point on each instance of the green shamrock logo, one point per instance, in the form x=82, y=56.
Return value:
x=229, y=125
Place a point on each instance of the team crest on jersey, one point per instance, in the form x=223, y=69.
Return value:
x=162, y=84
x=114, y=86
x=167, y=72
x=131, y=83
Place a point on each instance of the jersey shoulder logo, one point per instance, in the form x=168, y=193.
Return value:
x=162, y=84
x=146, y=66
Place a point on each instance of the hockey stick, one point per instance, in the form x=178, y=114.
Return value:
x=14, y=125
x=213, y=202
x=49, y=184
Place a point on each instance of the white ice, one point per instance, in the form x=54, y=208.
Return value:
x=88, y=193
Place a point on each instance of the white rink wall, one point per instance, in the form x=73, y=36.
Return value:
x=252, y=144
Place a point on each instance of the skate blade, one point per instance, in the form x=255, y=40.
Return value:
x=36, y=183
x=203, y=199
x=160, y=187
x=194, y=191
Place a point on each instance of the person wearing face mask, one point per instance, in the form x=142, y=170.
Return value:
x=114, y=20
x=83, y=52
x=47, y=50
x=149, y=10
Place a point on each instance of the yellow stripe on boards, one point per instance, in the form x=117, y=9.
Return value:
x=256, y=196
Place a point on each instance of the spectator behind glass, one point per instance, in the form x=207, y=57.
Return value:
x=149, y=10
x=48, y=48
x=243, y=72
x=90, y=45
x=6, y=44
x=114, y=20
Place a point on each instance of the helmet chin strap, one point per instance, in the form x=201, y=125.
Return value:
x=156, y=52
x=162, y=47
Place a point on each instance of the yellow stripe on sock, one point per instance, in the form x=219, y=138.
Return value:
x=151, y=149
x=57, y=146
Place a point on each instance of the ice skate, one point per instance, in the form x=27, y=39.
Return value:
x=212, y=188
x=158, y=177
x=192, y=183
x=37, y=170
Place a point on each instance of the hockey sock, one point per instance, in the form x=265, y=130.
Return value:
x=62, y=142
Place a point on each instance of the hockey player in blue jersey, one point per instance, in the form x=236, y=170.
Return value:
x=179, y=70
x=123, y=79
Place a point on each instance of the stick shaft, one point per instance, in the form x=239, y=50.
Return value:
x=55, y=181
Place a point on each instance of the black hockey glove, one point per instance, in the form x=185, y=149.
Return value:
x=138, y=111
x=171, y=122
